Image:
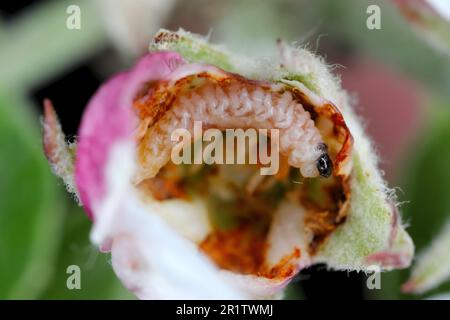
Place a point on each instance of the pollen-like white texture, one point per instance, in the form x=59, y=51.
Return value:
x=236, y=105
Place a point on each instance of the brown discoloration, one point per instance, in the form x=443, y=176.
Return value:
x=154, y=99
x=322, y=218
x=283, y=170
x=159, y=97
x=243, y=249
x=166, y=37
x=285, y=268
x=322, y=224
x=239, y=250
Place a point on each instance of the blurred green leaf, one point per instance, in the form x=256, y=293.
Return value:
x=344, y=23
x=38, y=44
x=30, y=214
x=35, y=225
x=426, y=188
x=324, y=24
x=98, y=280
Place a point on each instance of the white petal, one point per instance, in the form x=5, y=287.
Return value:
x=149, y=256
x=287, y=232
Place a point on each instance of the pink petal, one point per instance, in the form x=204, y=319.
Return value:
x=389, y=259
x=104, y=122
x=109, y=119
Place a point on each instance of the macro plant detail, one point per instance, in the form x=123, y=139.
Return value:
x=226, y=230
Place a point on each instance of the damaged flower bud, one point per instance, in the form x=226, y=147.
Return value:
x=226, y=230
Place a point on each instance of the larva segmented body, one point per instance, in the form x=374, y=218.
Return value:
x=235, y=104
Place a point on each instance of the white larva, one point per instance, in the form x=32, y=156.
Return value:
x=239, y=106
